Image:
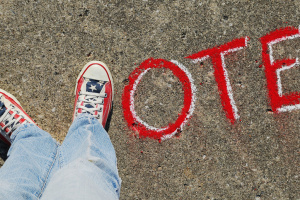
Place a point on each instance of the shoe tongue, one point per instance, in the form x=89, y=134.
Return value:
x=2, y=108
x=95, y=86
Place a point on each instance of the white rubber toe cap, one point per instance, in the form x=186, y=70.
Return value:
x=96, y=72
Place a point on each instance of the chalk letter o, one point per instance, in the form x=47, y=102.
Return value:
x=135, y=123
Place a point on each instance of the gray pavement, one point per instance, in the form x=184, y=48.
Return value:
x=44, y=45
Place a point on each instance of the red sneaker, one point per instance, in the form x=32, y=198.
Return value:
x=94, y=91
x=12, y=116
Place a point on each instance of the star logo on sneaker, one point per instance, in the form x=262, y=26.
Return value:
x=95, y=86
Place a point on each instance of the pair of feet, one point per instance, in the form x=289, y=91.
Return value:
x=93, y=95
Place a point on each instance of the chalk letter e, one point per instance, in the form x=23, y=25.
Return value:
x=278, y=101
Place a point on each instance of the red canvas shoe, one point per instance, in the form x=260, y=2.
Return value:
x=94, y=91
x=12, y=116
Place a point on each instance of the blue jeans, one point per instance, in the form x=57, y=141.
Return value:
x=83, y=167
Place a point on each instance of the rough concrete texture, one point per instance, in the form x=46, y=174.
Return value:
x=44, y=45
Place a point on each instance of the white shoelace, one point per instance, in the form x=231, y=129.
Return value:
x=10, y=118
x=92, y=99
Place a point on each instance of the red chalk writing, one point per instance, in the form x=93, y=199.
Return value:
x=135, y=123
x=217, y=56
x=279, y=102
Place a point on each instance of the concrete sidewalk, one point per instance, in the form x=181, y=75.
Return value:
x=44, y=45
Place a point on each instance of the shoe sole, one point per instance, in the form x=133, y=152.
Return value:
x=102, y=65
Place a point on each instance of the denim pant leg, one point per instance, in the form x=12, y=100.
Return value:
x=88, y=164
x=30, y=159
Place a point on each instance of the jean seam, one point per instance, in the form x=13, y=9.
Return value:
x=49, y=171
x=60, y=157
